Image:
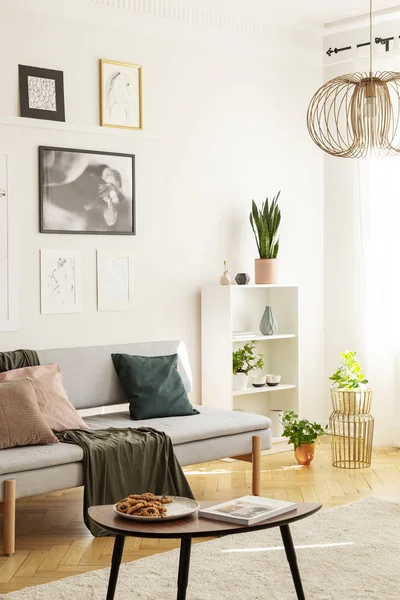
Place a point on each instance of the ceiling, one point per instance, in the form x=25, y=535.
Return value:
x=319, y=11
x=316, y=13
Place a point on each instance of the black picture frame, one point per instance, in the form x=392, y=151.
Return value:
x=26, y=110
x=73, y=198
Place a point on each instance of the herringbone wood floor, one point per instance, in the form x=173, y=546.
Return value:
x=52, y=541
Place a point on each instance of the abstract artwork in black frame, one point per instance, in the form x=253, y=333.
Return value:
x=41, y=93
x=86, y=191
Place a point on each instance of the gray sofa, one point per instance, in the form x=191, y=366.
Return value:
x=91, y=383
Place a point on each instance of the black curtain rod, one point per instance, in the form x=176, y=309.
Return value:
x=378, y=40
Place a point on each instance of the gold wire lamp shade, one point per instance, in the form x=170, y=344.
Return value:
x=356, y=115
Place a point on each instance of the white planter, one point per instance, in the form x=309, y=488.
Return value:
x=240, y=382
x=276, y=422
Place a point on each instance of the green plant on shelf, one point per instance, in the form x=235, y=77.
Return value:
x=300, y=431
x=265, y=223
x=349, y=375
x=244, y=360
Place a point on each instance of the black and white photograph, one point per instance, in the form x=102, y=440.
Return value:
x=41, y=93
x=86, y=191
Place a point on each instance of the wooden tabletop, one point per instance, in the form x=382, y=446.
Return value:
x=191, y=526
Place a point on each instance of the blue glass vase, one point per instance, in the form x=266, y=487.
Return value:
x=268, y=324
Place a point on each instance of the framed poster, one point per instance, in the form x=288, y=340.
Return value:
x=8, y=244
x=86, y=191
x=41, y=93
x=114, y=280
x=61, y=281
x=121, y=95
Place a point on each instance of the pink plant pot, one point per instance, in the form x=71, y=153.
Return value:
x=266, y=270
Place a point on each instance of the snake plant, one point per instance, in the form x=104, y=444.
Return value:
x=265, y=224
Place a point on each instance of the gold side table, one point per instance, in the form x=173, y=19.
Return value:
x=352, y=428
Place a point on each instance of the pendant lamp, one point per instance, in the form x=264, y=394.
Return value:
x=357, y=115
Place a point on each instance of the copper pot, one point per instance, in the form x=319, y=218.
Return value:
x=304, y=454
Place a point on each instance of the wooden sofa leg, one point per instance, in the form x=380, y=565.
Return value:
x=256, y=465
x=9, y=517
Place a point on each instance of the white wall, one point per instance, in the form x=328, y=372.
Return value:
x=224, y=118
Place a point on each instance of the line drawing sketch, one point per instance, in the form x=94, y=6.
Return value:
x=8, y=242
x=115, y=289
x=121, y=94
x=115, y=280
x=118, y=96
x=4, y=240
x=61, y=281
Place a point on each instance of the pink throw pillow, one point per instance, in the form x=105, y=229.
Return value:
x=51, y=396
x=21, y=421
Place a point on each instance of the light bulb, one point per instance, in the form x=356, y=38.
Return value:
x=370, y=107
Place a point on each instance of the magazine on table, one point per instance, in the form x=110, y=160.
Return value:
x=247, y=510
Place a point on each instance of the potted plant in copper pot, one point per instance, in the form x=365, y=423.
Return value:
x=303, y=435
x=265, y=223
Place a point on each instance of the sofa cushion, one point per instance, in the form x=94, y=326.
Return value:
x=153, y=386
x=51, y=396
x=211, y=423
x=21, y=422
x=15, y=460
x=89, y=376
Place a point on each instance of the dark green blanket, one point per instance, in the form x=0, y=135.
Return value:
x=119, y=462
x=16, y=359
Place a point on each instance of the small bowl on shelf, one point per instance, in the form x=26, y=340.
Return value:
x=273, y=380
x=258, y=381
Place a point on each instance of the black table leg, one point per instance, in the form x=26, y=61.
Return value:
x=184, y=563
x=115, y=564
x=291, y=556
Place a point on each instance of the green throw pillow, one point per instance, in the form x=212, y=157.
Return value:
x=153, y=386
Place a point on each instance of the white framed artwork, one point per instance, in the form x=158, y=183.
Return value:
x=8, y=244
x=121, y=95
x=114, y=280
x=61, y=281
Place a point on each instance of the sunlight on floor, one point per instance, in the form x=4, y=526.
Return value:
x=274, y=548
x=204, y=472
x=292, y=468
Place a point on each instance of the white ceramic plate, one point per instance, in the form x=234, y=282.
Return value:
x=177, y=509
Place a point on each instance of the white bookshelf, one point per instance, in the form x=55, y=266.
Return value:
x=231, y=308
x=263, y=338
x=263, y=390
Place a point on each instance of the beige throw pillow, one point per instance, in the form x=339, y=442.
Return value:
x=21, y=422
x=51, y=396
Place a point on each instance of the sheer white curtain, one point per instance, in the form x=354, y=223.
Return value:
x=379, y=202
x=362, y=269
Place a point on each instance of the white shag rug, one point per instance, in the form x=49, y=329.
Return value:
x=350, y=552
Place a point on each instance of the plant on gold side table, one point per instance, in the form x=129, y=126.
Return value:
x=351, y=423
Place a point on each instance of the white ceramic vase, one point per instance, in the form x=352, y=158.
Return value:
x=276, y=422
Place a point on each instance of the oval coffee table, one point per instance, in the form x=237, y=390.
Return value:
x=194, y=527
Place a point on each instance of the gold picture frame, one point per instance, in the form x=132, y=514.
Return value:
x=121, y=103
